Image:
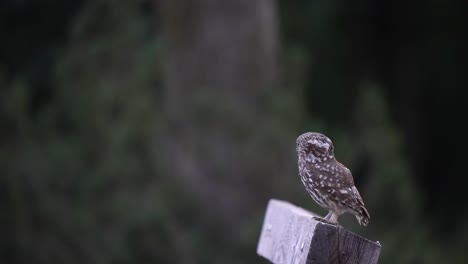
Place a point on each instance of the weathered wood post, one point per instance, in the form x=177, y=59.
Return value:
x=291, y=235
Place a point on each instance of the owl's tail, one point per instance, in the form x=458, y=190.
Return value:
x=362, y=216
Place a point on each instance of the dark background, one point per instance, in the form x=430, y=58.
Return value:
x=156, y=131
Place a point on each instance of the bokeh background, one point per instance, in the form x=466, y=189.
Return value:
x=156, y=131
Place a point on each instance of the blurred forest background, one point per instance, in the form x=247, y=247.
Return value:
x=156, y=131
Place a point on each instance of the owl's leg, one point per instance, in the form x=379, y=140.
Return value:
x=332, y=217
x=327, y=217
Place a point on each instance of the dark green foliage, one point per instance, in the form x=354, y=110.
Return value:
x=80, y=179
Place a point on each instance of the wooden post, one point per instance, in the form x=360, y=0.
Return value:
x=291, y=235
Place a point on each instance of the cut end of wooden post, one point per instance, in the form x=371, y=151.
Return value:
x=290, y=234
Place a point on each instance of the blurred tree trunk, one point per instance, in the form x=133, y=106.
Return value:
x=220, y=71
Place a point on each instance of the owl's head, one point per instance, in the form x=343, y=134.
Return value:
x=314, y=146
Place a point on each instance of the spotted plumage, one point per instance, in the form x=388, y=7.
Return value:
x=328, y=181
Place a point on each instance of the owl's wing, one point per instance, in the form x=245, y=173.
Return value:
x=336, y=183
x=353, y=199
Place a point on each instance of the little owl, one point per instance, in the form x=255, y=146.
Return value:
x=328, y=182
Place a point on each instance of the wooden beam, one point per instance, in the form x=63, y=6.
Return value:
x=291, y=235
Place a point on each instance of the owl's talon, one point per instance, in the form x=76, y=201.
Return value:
x=323, y=220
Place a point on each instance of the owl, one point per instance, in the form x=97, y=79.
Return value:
x=328, y=182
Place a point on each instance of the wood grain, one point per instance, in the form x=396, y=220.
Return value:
x=291, y=235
